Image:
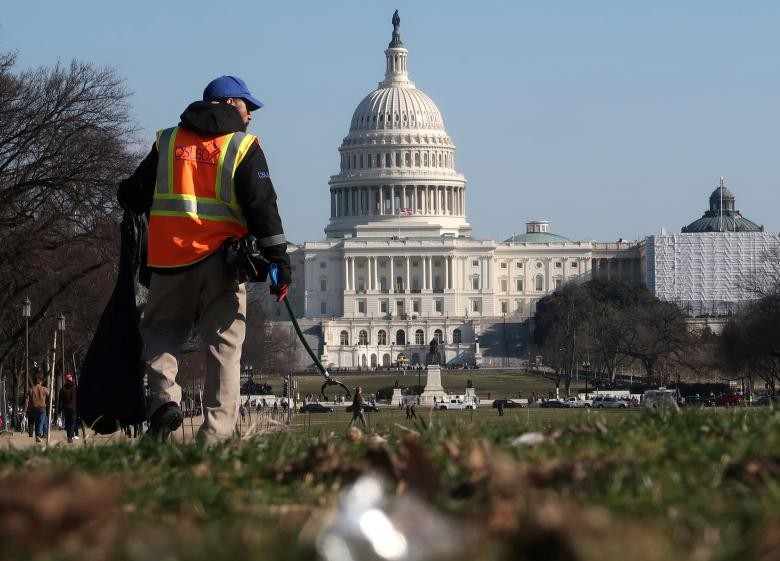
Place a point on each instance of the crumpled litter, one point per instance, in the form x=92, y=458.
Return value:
x=370, y=526
x=527, y=439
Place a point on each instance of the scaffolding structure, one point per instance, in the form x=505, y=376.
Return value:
x=709, y=273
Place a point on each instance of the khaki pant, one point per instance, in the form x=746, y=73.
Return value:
x=209, y=297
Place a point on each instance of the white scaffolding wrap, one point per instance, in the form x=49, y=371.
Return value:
x=708, y=273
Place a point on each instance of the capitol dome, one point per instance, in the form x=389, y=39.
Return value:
x=722, y=216
x=397, y=175
x=391, y=107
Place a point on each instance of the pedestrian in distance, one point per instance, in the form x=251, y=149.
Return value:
x=28, y=412
x=204, y=182
x=358, y=405
x=408, y=411
x=500, y=408
x=39, y=399
x=413, y=411
x=67, y=406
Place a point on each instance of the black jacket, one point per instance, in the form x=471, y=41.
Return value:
x=254, y=189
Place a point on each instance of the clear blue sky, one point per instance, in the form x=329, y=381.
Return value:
x=611, y=119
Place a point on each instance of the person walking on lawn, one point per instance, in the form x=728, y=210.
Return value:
x=204, y=182
x=67, y=405
x=358, y=404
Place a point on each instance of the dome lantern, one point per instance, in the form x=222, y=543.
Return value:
x=396, y=73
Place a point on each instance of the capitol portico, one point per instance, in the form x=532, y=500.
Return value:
x=398, y=267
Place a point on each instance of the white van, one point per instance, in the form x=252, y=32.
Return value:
x=455, y=403
x=660, y=398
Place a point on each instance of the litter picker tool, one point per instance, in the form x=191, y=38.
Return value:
x=273, y=275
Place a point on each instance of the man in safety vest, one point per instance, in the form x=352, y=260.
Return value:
x=204, y=181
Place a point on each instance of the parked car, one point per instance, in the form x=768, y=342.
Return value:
x=578, y=402
x=316, y=408
x=454, y=403
x=609, y=402
x=698, y=400
x=764, y=400
x=555, y=404
x=508, y=403
x=728, y=400
x=367, y=408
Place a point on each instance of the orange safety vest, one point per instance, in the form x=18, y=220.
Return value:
x=194, y=209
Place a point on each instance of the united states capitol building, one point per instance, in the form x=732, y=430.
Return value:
x=399, y=267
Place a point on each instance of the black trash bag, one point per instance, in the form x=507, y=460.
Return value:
x=111, y=390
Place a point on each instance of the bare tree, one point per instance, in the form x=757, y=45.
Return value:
x=65, y=141
x=765, y=280
x=750, y=343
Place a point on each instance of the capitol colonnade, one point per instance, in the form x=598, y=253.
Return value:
x=381, y=200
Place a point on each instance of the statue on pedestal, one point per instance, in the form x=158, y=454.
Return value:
x=433, y=352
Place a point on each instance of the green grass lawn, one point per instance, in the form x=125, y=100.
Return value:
x=488, y=385
x=484, y=418
x=601, y=485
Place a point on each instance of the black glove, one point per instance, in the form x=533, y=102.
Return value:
x=242, y=258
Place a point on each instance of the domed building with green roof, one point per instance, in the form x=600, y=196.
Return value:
x=537, y=231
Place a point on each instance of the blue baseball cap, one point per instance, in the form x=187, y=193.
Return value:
x=230, y=86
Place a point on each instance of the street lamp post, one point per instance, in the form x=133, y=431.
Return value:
x=26, y=309
x=61, y=326
x=586, y=366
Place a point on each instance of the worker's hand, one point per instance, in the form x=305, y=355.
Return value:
x=280, y=291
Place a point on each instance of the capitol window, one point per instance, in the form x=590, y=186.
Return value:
x=504, y=307
x=539, y=283
x=558, y=264
x=344, y=338
x=323, y=265
x=361, y=306
x=573, y=264
x=474, y=283
x=519, y=285
x=538, y=264
x=503, y=265
x=388, y=160
x=417, y=159
x=475, y=263
x=363, y=337
x=323, y=307
x=383, y=306
x=398, y=159
x=323, y=285
x=475, y=305
x=558, y=282
x=419, y=337
x=456, y=336
x=438, y=305
x=381, y=337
